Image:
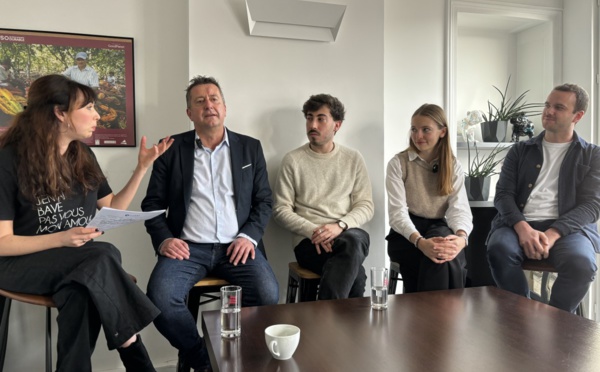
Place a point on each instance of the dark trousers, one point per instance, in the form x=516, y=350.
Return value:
x=90, y=289
x=419, y=273
x=342, y=272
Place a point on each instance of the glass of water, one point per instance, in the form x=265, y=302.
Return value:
x=231, y=304
x=379, y=288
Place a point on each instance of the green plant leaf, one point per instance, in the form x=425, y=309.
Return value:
x=484, y=165
x=509, y=108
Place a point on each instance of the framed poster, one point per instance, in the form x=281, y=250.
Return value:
x=103, y=62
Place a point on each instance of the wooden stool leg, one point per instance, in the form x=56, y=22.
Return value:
x=48, y=340
x=6, y=302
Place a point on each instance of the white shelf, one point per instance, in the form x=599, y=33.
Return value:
x=481, y=204
x=484, y=145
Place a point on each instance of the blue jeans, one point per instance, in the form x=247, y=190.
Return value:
x=171, y=280
x=573, y=257
x=342, y=272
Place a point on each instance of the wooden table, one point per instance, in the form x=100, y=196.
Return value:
x=474, y=329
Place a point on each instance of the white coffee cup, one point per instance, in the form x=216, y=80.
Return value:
x=282, y=340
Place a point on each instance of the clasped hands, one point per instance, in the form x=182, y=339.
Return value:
x=323, y=237
x=537, y=244
x=442, y=249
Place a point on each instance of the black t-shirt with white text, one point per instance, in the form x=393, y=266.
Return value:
x=47, y=214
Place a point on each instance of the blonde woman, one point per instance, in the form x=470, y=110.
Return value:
x=429, y=213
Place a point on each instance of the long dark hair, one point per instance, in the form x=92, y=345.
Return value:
x=34, y=133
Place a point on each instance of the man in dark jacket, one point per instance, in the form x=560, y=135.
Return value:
x=548, y=202
x=214, y=184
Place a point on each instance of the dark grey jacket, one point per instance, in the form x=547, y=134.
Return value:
x=578, y=187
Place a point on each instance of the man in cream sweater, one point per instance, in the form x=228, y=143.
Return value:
x=323, y=195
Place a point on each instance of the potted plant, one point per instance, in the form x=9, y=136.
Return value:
x=495, y=124
x=480, y=170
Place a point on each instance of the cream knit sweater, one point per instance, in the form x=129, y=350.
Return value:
x=314, y=189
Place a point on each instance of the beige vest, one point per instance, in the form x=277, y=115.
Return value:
x=421, y=185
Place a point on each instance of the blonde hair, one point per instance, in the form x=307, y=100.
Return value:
x=443, y=150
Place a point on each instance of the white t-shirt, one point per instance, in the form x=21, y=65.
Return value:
x=543, y=200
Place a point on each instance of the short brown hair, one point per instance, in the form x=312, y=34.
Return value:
x=582, y=98
x=201, y=80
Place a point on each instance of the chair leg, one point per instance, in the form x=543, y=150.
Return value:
x=392, y=282
x=544, y=287
x=193, y=303
x=291, y=290
x=581, y=310
x=308, y=291
x=6, y=302
x=48, y=340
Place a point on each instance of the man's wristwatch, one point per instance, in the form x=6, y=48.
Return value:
x=343, y=225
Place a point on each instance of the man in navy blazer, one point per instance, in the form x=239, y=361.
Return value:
x=214, y=184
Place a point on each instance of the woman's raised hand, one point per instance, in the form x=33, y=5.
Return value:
x=147, y=156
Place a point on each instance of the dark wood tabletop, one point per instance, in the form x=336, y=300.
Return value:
x=474, y=329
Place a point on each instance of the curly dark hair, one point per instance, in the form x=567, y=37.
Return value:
x=317, y=101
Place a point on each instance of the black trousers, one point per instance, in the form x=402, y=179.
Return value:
x=419, y=273
x=342, y=272
x=90, y=289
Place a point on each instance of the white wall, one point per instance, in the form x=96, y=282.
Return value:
x=484, y=58
x=578, y=48
x=413, y=66
x=535, y=65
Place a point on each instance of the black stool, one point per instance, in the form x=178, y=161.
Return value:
x=545, y=267
x=304, y=280
x=394, y=277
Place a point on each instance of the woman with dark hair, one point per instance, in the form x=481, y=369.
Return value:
x=429, y=213
x=50, y=188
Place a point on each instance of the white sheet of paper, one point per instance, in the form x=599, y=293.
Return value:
x=109, y=218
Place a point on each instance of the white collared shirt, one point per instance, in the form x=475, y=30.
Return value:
x=211, y=216
x=458, y=214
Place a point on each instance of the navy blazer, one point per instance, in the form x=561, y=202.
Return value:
x=170, y=187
